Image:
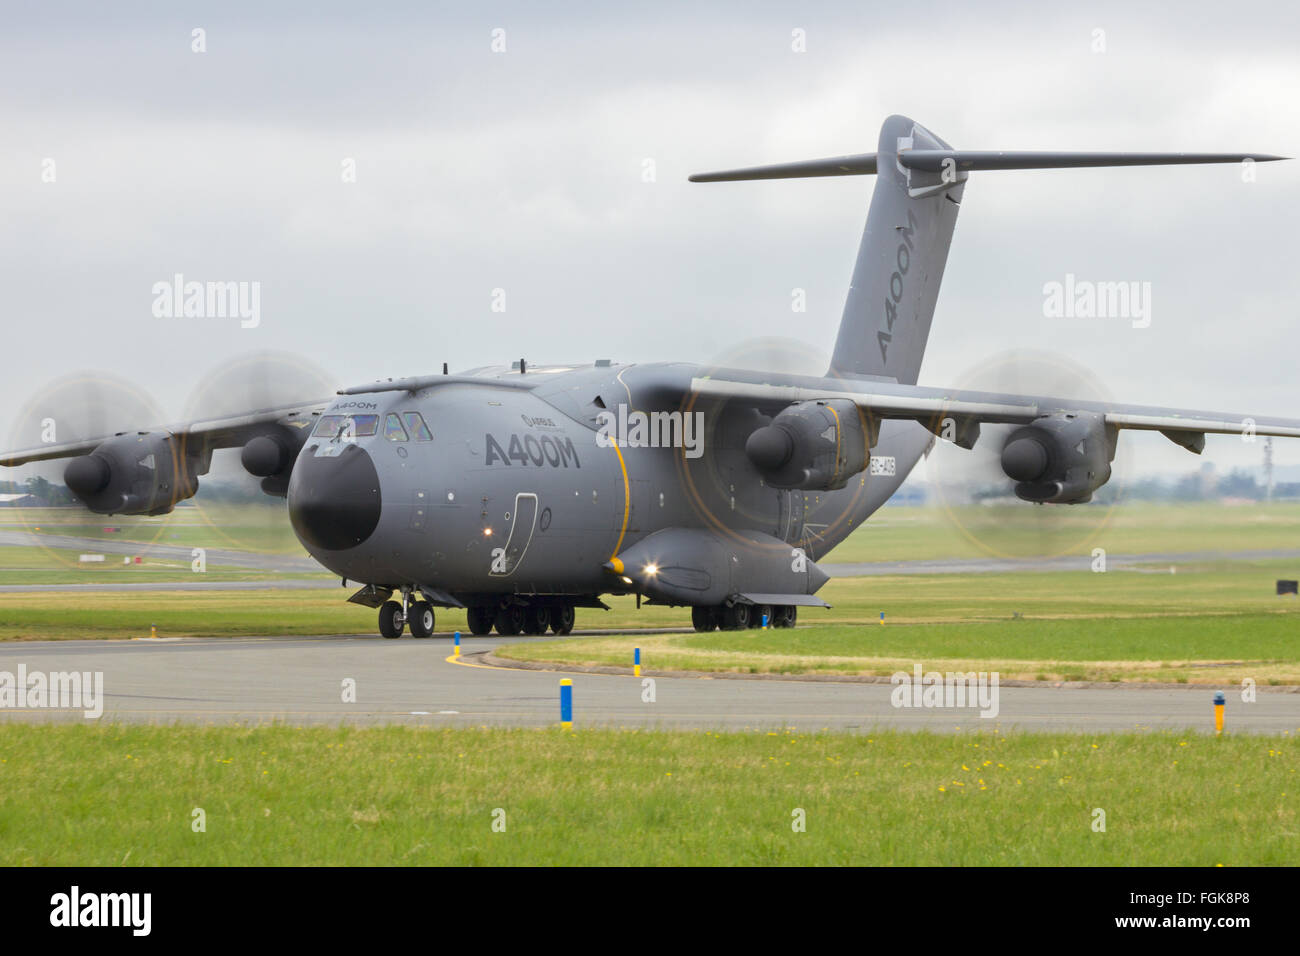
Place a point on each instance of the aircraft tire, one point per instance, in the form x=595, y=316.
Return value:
x=510, y=621
x=562, y=619
x=786, y=615
x=537, y=620
x=736, y=617
x=480, y=620
x=421, y=619
x=704, y=618
x=391, y=620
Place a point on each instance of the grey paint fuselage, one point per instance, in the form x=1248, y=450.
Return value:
x=448, y=504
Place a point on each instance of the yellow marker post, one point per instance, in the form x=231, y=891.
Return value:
x=456, y=652
x=636, y=662
x=153, y=630
x=1218, y=713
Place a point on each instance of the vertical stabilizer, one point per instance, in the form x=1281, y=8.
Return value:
x=900, y=262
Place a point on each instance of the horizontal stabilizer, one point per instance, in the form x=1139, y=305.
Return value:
x=933, y=161
x=862, y=164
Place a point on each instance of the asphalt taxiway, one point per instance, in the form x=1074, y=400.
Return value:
x=300, y=680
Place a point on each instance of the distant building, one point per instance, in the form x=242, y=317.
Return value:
x=18, y=500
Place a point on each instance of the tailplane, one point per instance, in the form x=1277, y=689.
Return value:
x=904, y=249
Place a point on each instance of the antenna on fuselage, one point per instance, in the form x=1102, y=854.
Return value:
x=444, y=368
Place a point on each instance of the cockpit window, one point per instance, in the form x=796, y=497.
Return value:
x=415, y=423
x=359, y=426
x=329, y=426
x=393, y=429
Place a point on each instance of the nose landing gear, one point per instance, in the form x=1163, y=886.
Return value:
x=421, y=619
x=395, y=617
x=392, y=620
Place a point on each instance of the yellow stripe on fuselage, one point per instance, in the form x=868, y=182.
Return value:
x=627, y=498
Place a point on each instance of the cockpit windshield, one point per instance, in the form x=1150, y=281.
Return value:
x=346, y=426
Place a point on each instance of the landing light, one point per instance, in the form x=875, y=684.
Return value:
x=487, y=532
x=627, y=580
x=652, y=569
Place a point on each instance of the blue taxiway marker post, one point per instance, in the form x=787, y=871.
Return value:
x=456, y=652
x=882, y=617
x=765, y=622
x=636, y=662
x=1218, y=712
x=566, y=704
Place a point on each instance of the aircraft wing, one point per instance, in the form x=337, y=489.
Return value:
x=201, y=435
x=931, y=406
x=149, y=470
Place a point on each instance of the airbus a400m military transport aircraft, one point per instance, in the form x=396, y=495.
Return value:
x=522, y=493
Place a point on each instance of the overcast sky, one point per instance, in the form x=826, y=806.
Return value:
x=523, y=170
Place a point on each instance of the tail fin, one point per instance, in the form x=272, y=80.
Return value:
x=904, y=249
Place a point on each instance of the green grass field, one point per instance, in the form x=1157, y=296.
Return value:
x=262, y=527
x=125, y=795
x=1215, y=650
x=1207, y=623
x=892, y=534
x=1024, y=530
x=20, y=565
x=1210, y=622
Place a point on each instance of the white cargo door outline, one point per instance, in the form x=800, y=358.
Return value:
x=523, y=521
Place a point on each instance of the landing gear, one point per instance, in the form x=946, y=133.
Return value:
x=562, y=619
x=537, y=620
x=786, y=615
x=480, y=620
x=391, y=619
x=736, y=617
x=420, y=619
x=761, y=614
x=510, y=620
x=704, y=618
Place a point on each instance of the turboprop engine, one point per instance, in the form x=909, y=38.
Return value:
x=1060, y=458
x=136, y=473
x=816, y=445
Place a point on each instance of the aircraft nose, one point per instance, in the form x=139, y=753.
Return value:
x=334, y=502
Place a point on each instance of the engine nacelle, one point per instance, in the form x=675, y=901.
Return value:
x=136, y=473
x=816, y=445
x=1061, y=458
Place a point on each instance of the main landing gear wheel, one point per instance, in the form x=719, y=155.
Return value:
x=537, y=620
x=480, y=620
x=510, y=620
x=421, y=619
x=786, y=615
x=562, y=619
x=391, y=619
x=704, y=618
x=736, y=617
